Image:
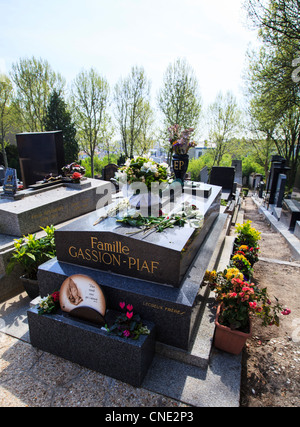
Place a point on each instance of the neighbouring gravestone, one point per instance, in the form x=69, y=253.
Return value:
x=10, y=183
x=40, y=154
x=238, y=175
x=2, y=174
x=290, y=213
x=223, y=177
x=204, y=175
x=278, y=166
x=109, y=171
x=50, y=206
x=279, y=195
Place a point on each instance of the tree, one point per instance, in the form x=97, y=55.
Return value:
x=131, y=98
x=274, y=101
x=179, y=99
x=58, y=117
x=34, y=81
x=90, y=97
x=277, y=20
x=6, y=90
x=224, y=119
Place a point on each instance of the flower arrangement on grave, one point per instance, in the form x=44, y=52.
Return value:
x=142, y=169
x=128, y=324
x=180, y=140
x=187, y=214
x=49, y=304
x=73, y=171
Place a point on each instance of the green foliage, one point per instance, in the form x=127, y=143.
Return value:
x=31, y=252
x=98, y=164
x=58, y=117
x=247, y=235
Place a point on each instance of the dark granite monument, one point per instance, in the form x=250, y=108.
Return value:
x=290, y=213
x=158, y=273
x=279, y=195
x=224, y=177
x=278, y=166
x=40, y=154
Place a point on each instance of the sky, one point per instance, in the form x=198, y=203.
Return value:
x=114, y=35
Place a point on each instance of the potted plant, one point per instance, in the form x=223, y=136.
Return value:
x=180, y=145
x=238, y=302
x=30, y=252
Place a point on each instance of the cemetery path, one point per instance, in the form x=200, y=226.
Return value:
x=271, y=358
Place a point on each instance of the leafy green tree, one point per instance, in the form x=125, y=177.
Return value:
x=34, y=81
x=58, y=117
x=277, y=20
x=274, y=101
x=6, y=91
x=132, y=108
x=90, y=98
x=179, y=98
x=224, y=119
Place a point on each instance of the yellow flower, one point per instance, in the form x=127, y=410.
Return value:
x=234, y=273
x=243, y=248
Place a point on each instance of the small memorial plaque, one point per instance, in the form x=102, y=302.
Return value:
x=82, y=297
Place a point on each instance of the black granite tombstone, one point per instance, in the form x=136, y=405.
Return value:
x=238, y=176
x=223, y=177
x=109, y=171
x=290, y=213
x=130, y=251
x=281, y=182
x=203, y=176
x=278, y=166
x=40, y=154
x=2, y=174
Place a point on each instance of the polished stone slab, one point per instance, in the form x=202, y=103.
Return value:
x=174, y=311
x=161, y=257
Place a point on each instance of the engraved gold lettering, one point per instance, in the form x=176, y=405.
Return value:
x=72, y=252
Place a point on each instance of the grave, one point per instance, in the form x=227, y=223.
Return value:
x=142, y=269
x=51, y=205
x=278, y=166
x=40, y=154
x=223, y=177
x=290, y=213
x=281, y=183
x=203, y=176
x=238, y=175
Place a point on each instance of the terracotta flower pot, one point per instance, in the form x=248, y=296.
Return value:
x=229, y=340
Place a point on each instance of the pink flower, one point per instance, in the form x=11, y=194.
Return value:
x=252, y=304
x=286, y=312
x=122, y=304
x=126, y=333
x=129, y=307
x=129, y=315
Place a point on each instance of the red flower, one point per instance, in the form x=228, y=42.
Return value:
x=55, y=296
x=129, y=315
x=286, y=312
x=76, y=175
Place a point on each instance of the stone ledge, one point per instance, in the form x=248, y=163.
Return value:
x=90, y=346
